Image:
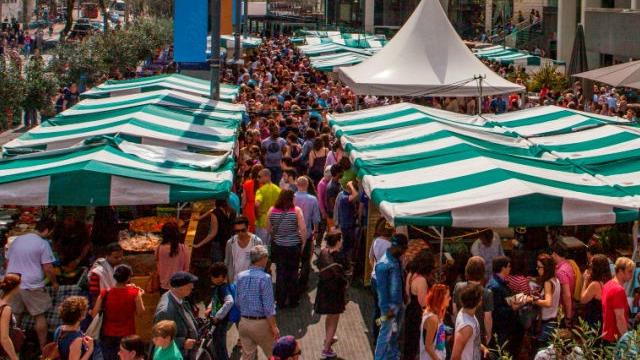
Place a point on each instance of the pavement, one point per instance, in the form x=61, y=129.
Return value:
x=9, y=135
x=354, y=336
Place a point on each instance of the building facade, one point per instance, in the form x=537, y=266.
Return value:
x=610, y=31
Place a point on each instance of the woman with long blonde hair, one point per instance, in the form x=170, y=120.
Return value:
x=432, y=330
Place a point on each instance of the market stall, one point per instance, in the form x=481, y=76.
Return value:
x=147, y=124
x=183, y=83
x=113, y=172
x=331, y=62
x=544, y=166
x=506, y=55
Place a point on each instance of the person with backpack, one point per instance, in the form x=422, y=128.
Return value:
x=221, y=309
x=70, y=341
x=238, y=247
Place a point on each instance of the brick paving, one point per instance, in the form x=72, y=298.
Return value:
x=354, y=337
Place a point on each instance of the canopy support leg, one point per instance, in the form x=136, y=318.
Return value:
x=634, y=234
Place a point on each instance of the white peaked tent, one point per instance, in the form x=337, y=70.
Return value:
x=425, y=58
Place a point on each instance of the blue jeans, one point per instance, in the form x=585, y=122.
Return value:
x=387, y=347
x=376, y=309
x=546, y=331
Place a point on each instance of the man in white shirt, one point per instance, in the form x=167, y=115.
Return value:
x=30, y=256
x=488, y=247
x=237, y=257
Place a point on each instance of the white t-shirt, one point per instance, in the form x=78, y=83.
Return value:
x=488, y=253
x=471, y=350
x=26, y=256
x=241, y=258
x=379, y=247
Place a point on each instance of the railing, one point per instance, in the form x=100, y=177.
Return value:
x=520, y=36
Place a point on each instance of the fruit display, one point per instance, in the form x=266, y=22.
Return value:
x=139, y=242
x=152, y=224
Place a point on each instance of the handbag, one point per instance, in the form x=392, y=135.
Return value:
x=95, y=327
x=15, y=333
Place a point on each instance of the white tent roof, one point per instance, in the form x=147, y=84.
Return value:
x=425, y=58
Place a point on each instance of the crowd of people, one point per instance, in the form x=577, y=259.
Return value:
x=299, y=196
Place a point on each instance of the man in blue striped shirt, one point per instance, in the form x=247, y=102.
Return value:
x=257, y=306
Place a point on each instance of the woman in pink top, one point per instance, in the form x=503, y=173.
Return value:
x=171, y=255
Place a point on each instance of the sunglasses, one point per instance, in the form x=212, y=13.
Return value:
x=240, y=230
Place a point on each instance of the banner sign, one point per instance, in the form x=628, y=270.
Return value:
x=190, y=23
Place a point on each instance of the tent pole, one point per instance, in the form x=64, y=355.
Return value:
x=479, y=78
x=634, y=233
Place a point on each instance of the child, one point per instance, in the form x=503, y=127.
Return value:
x=162, y=336
x=221, y=308
x=467, y=344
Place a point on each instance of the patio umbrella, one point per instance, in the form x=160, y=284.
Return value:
x=624, y=75
x=578, y=62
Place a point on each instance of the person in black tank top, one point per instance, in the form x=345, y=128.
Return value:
x=419, y=270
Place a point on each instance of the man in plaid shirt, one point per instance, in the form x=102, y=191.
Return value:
x=257, y=307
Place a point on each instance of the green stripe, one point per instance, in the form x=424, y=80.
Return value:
x=548, y=210
x=534, y=120
x=442, y=219
x=593, y=144
x=80, y=188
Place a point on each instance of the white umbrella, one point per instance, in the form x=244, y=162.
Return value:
x=623, y=75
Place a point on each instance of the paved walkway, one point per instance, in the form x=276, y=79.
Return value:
x=9, y=135
x=353, y=330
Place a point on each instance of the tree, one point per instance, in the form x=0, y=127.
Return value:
x=12, y=91
x=549, y=76
x=67, y=26
x=41, y=86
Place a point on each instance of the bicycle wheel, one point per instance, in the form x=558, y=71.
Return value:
x=203, y=354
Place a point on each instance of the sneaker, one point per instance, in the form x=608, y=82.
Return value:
x=328, y=354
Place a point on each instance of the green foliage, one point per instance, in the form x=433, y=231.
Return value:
x=13, y=89
x=500, y=352
x=588, y=340
x=549, y=76
x=41, y=86
x=612, y=239
x=115, y=52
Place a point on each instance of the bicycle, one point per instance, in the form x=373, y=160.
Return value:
x=204, y=344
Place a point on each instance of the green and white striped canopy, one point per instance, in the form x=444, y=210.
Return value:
x=331, y=61
x=507, y=55
x=228, y=41
x=543, y=166
x=113, y=173
x=220, y=110
x=160, y=118
x=183, y=83
x=328, y=48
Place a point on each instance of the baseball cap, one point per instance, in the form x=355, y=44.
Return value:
x=182, y=278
